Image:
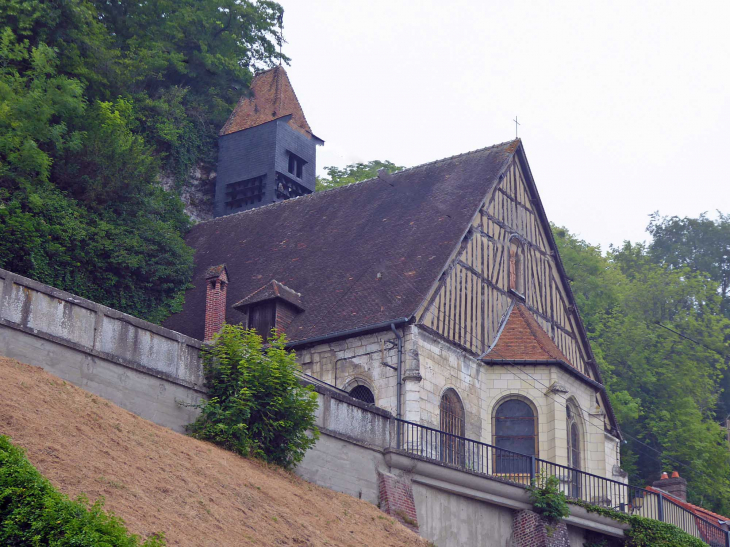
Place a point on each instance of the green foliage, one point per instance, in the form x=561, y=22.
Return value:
x=354, y=173
x=664, y=389
x=33, y=512
x=547, y=499
x=701, y=244
x=257, y=405
x=97, y=99
x=644, y=532
x=652, y=533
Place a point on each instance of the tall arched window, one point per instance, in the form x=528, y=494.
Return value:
x=574, y=447
x=451, y=412
x=515, y=429
x=516, y=267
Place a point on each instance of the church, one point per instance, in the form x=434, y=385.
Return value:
x=436, y=293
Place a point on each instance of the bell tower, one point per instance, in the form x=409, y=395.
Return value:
x=266, y=150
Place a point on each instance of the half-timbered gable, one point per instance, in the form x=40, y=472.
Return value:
x=506, y=256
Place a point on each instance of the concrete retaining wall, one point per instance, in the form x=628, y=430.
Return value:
x=140, y=366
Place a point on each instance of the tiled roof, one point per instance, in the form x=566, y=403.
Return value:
x=270, y=291
x=522, y=338
x=360, y=255
x=714, y=518
x=272, y=97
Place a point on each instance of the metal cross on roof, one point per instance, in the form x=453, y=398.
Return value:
x=516, y=124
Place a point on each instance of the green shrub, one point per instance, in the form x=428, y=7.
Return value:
x=652, y=533
x=547, y=499
x=645, y=532
x=257, y=405
x=34, y=513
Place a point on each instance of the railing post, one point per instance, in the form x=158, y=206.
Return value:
x=532, y=469
x=661, y=507
x=727, y=538
x=397, y=434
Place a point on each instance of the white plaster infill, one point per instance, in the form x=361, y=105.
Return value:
x=471, y=485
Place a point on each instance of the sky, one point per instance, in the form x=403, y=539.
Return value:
x=624, y=106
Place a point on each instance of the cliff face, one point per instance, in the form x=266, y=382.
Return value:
x=197, y=192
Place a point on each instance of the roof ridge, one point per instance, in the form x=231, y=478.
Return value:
x=361, y=182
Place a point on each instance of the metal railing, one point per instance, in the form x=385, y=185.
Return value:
x=513, y=467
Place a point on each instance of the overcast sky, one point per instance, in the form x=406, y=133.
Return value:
x=624, y=105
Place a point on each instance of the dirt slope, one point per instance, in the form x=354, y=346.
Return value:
x=161, y=481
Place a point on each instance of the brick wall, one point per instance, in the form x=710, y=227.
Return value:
x=396, y=499
x=529, y=530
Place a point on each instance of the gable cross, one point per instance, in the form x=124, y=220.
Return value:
x=516, y=124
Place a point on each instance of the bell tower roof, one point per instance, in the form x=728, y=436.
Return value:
x=272, y=97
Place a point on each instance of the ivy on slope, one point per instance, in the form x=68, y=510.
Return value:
x=97, y=99
x=33, y=512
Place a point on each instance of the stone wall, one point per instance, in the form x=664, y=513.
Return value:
x=140, y=366
x=432, y=365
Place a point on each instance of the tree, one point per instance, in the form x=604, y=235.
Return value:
x=665, y=388
x=257, y=404
x=355, y=172
x=97, y=99
x=701, y=244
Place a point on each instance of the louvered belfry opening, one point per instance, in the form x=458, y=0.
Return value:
x=452, y=424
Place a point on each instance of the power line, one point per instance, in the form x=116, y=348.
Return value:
x=691, y=339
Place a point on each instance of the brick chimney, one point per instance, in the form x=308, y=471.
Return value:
x=216, y=279
x=674, y=485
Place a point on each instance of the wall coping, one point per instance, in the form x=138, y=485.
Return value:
x=99, y=308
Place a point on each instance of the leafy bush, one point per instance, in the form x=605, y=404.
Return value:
x=33, y=512
x=644, y=532
x=257, y=405
x=547, y=499
x=651, y=533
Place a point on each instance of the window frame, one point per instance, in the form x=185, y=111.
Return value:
x=497, y=461
x=516, y=266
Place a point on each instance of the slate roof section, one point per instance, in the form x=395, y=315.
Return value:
x=359, y=255
x=272, y=97
x=522, y=338
x=272, y=291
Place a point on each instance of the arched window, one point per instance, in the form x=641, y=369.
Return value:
x=363, y=393
x=452, y=423
x=515, y=429
x=516, y=267
x=574, y=447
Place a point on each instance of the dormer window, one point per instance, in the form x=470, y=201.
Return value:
x=296, y=165
x=272, y=307
x=516, y=267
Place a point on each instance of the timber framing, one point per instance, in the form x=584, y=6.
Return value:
x=467, y=305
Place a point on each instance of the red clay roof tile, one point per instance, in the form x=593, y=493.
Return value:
x=523, y=338
x=272, y=96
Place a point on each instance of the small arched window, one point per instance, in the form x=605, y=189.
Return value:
x=515, y=429
x=452, y=423
x=516, y=267
x=362, y=393
x=574, y=448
